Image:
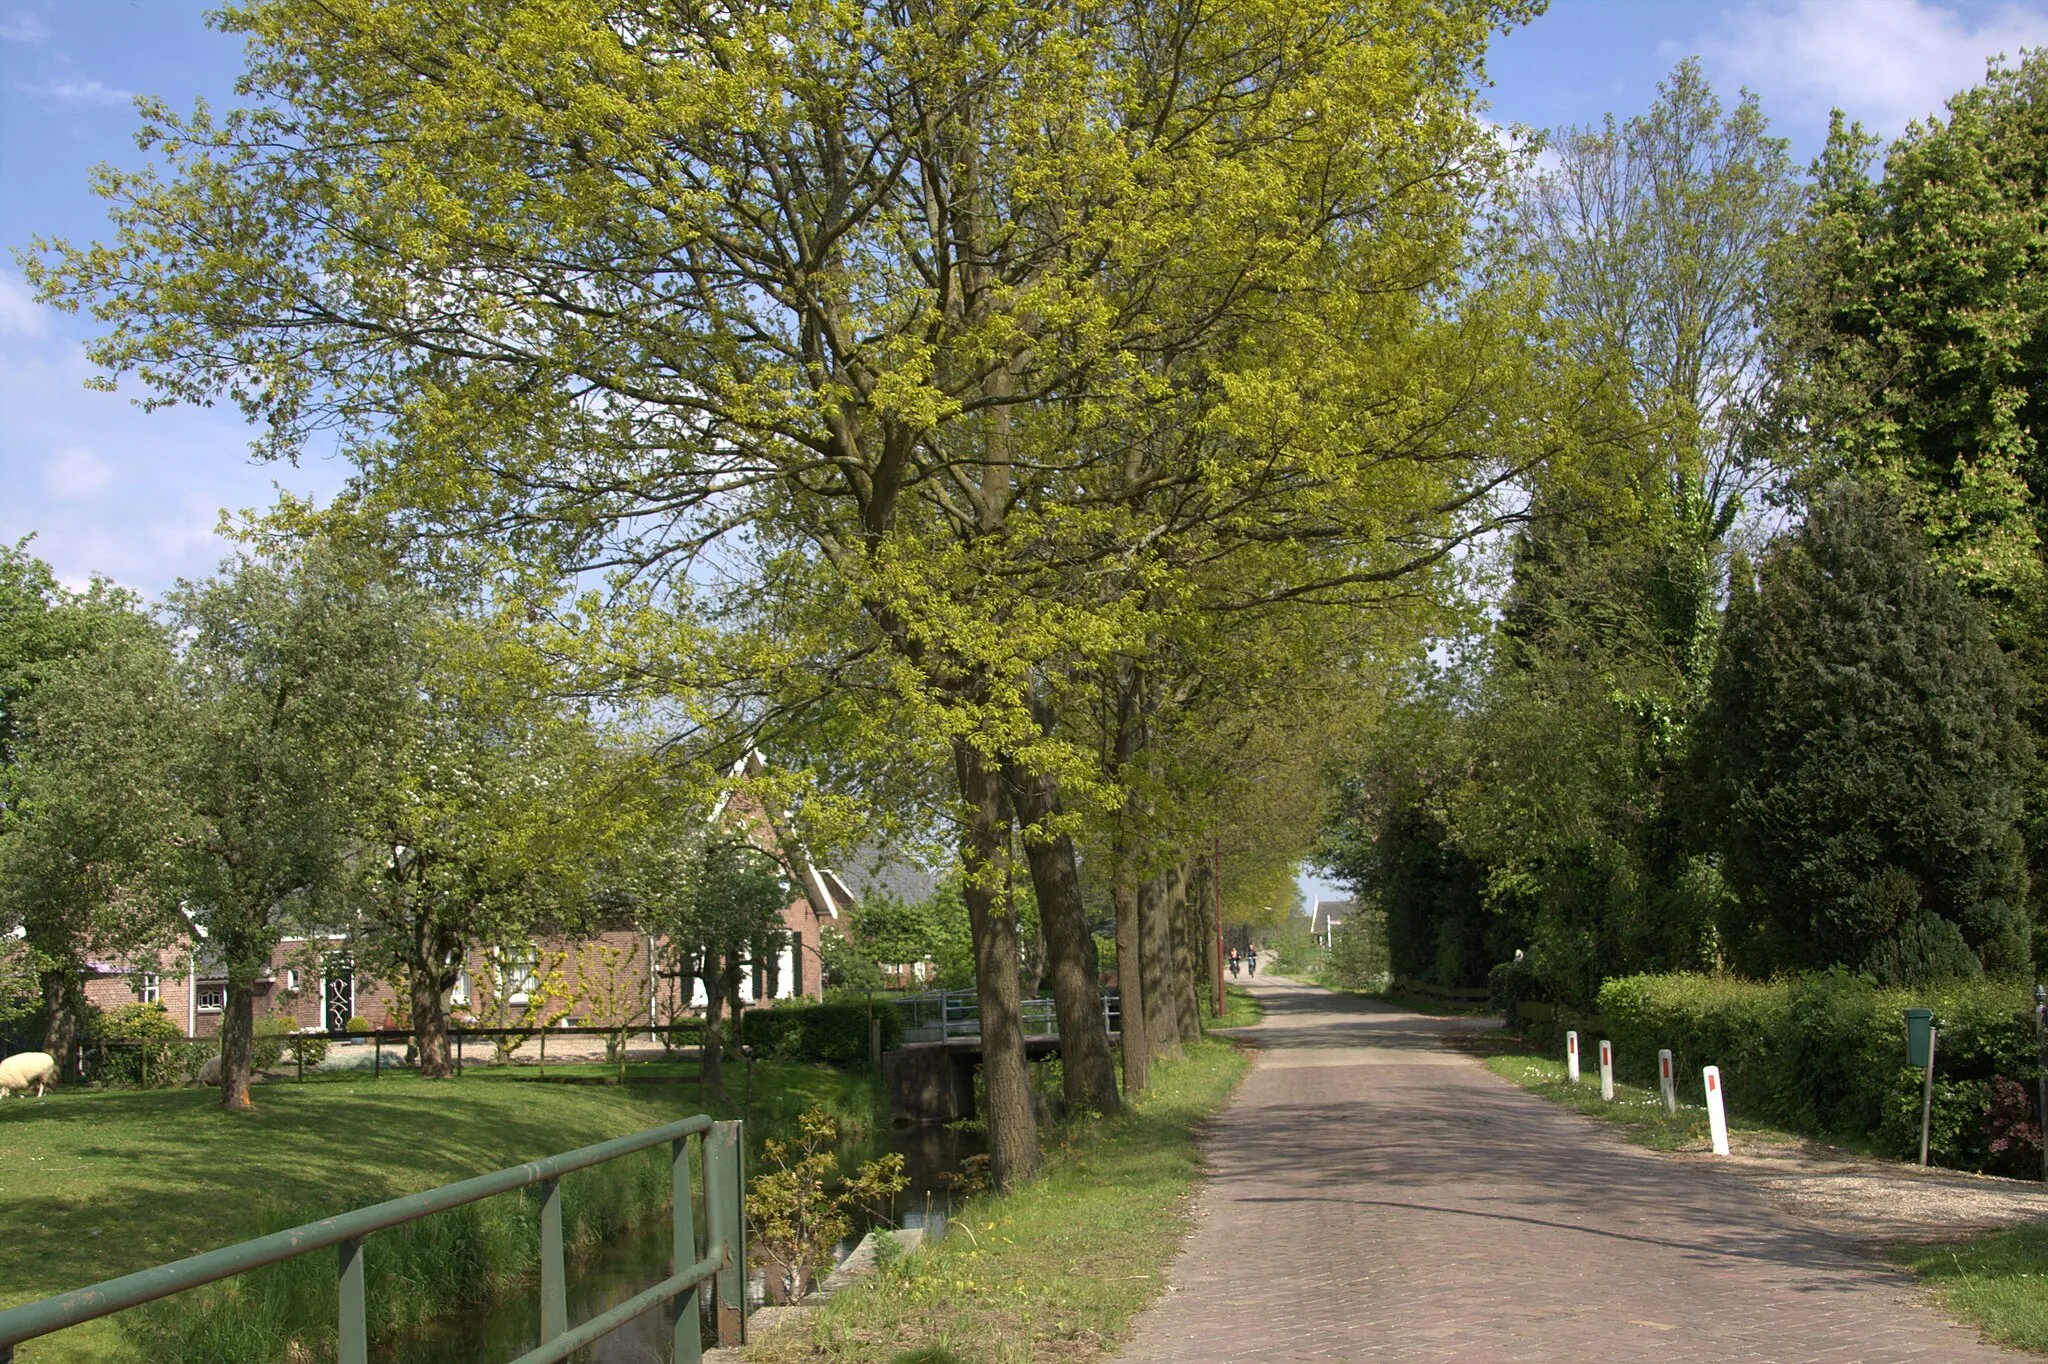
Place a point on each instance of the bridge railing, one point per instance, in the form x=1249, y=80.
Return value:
x=721, y=1159
x=941, y=1015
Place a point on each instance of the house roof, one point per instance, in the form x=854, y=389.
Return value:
x=870, y=870
x=1330, y=912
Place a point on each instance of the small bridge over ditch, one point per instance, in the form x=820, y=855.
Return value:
x=930, y=1075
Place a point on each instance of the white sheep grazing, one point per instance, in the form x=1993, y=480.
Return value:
x=37, y=1068
x=209, y=1074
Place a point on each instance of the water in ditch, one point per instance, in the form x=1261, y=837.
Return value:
x=932, y=1156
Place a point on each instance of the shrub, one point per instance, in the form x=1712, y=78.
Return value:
x=277, y=1038
x=1507, y=985
x=1357, y=958
x=148, y=1042
x=356, y=1023
x=1825, y=1054
x=833, y=1033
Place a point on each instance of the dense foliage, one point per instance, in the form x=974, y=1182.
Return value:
x=1825, y=1053
x=1910, y=349
x=1864, y=761
x=1653, y=756
x=833, y=1033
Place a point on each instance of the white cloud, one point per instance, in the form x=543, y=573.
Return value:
x=20, y=314
x=74, y=473
x=22, y=27
x=1884, y=62
x=79, y=92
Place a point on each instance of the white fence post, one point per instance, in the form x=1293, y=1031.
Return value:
x=1667, y=1081
x=1571, y=1057
x=1607, y=1070
x=1717, y=1112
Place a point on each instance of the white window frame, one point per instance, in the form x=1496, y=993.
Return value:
x=150, y=988
x=458, y=994
x=520, y=975
x=218, y=993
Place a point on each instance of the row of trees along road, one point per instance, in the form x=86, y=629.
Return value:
x=1667, y=753
x=1019, y=396
x=312, y=742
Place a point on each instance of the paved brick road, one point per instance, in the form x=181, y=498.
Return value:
x=1375, y=1197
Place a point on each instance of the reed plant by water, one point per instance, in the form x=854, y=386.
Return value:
x=465, y=1257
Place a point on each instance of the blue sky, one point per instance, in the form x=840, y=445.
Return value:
x=108, y=489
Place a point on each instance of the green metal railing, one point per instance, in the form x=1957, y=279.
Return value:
x=722, y=1158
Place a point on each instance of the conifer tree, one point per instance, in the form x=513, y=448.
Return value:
x=1864, y=760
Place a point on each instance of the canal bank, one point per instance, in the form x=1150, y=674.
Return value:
x=1052, y=1271
x=106, y=1183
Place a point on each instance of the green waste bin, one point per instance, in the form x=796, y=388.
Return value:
x=1919, y=1032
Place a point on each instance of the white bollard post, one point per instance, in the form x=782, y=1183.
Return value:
x=1607, y=1070
x=1717, y=1112
x=1667, y=1081
x=1571, y=1057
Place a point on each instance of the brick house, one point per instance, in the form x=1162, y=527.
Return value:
x=312, y=981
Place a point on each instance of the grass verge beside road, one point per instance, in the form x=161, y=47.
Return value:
x=1240, y=1009
x=96, y=1185
x=1998, y=1283
x=1638, y=1113
x=1051, y=1272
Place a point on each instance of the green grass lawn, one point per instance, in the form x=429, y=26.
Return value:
x=1998, y=1283
x=1240, y=1010
x=1053, y=1271
x=1636, y=1111
x=97, y=1184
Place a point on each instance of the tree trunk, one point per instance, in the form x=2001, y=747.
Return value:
x=1123, y=894
x=992, y=917
x=429, y=978
x=1155, y=968
x=63, y=1015
x=1212, y=934
x=1088, y=1068
x=736, y=968
x=1132, y=722
x=711, y=1066
x=1187, y=1005
x=237, y=1042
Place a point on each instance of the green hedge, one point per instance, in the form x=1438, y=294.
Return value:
x=1825, y=1054
x=836, y=1034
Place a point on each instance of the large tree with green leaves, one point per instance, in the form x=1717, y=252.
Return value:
x=1910, y=349
x=482, y=811
x=291, y=667
x=86, y=797
x=597, y=284
x=716, y=898
x=1650, y=237
x=1865, y=760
